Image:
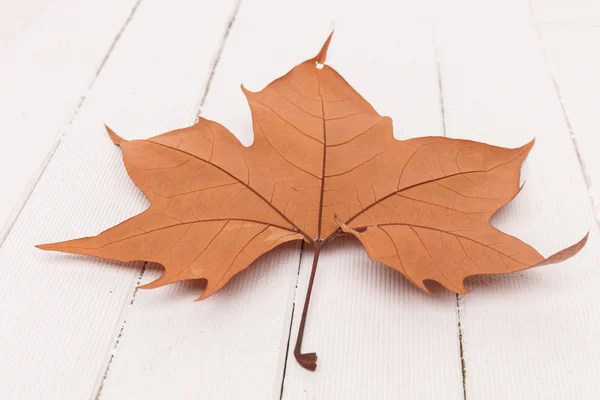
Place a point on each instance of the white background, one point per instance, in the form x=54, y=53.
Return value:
x=74, y=327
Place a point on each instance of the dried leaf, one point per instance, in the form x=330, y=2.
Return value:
x=323, y=161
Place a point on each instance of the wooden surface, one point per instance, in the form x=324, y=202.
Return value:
x=499, y=72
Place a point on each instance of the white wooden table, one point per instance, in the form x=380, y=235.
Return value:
x=500, y=72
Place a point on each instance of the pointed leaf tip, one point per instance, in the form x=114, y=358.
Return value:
x=47, y=246
x=565, y=254
x=322, y=56
x=246, y=91
x=113, y=136
x=204, y=295
x=527, y=147
x=208, y=291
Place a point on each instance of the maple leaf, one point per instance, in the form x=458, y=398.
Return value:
x=323, y=162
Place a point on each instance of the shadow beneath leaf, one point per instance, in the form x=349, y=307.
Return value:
x=508, y=284
x=374, y=276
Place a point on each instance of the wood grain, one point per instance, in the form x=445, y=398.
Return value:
x=51, y=53
x=530, y=335
x=375, y=334
x=61, y=316
x=502, y=73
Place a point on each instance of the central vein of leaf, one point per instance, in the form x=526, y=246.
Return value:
x=324, y=158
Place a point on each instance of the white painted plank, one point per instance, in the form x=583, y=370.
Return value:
x=424, y=328
x=526, y=335
x=375, y=334
x=231, y=345
x=570, y=51
x=50, y=52
x=572, y=12
x=17, y=17
x=61, y=314
x=532, y=334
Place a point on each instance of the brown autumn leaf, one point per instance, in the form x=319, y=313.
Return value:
x=323, y=162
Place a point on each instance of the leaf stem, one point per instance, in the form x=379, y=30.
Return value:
x=307, y=360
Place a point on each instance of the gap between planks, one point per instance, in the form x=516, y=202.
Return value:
x=14, y=216
x=35, y=180
x=197, y=113
x=573, y=136
x=586, y=175
x=287, y=349
x=458, y=297
x=120, y=334
x=217, y=58
x=461, y=346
